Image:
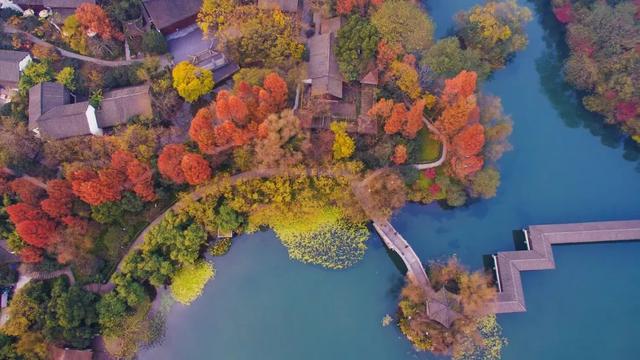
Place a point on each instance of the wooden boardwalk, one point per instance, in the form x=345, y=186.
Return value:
x=540, y=256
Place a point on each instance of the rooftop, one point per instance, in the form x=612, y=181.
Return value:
x=323, y=66
x=9, y=65
x=165, y=13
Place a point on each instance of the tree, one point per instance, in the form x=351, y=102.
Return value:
x=406, y=78
x=399, y=154
x=154, y=43
x=345, y=7
x=485, y=183
x=75, y=36
x=277, y=89
x=202, y=131
x=111, y=311
x=22, y=211
x=280, y=141
x=67, y=77
x=191, y=82
x=461, y=85
x=455, y=116
x=469, y=141
x=169, y=162
x=396, y=120
x=447, y=58
x=189, y=281
x=496, y=29
x=267, y=38
x=37, y=233
x=404, y=23
x=196, y=169
x=356, y=46
x=141, y=178
x=215, y=14
x=343, y=144
x=26, y=191
x=415, y=120
x=95, y=21
x=56, y=208
x=34, y=74
x=31, y=255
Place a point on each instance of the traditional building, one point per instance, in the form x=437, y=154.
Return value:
x=324, y=74
x=169, y=16
x=56, y=353
x=53, y=115
x=63, y=7
x=12, y=63
x=284, y=5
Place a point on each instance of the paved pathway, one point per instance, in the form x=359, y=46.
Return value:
x=110, y=63
x=25, y=277
x=540, y=257
x=35, y=181
x=443, y=154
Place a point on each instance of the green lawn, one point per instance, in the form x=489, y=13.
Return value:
x=428, y=149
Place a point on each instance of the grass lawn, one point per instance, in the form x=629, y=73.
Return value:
x=428, y=149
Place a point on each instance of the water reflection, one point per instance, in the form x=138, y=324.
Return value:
x=565, y=100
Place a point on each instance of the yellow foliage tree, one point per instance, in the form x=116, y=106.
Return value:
x=191, y=81
x=343, y=144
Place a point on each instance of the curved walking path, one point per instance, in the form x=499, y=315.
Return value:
x=443, y=153
x=540, y=256
x=111, y=63
x=26, y=277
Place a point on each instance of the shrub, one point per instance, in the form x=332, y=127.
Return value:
x=189, y=281
x=220, y=247
x=154, y=43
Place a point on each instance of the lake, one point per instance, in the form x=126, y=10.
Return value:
x=565, y=167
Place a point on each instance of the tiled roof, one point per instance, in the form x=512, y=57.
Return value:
x=9, y=60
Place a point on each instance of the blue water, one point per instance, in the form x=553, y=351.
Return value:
x=565, y=167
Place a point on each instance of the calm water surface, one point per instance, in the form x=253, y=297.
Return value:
x=565, y=167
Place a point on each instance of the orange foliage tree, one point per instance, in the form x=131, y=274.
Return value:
x=169, y=162
x=469, y=141
x=344, y=7
x=396, y=120
x=94, y=20
x=414, y=120
x=38, y=233
x=399, y=154
x=196, y=169
x=26, y=191
x=21, y=211
x=30, y=255
x=202, y=131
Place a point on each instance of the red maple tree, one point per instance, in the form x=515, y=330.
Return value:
x=196, y=169
x=169, y=162
x=202, y=131
x=26, y=191
x=22, y=211
x=37, y=233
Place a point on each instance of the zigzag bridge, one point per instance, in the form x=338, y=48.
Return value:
x=509, y=264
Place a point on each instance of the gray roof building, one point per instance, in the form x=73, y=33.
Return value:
x=52, y=114
x=169, y=16
x=63, y=7
x=11, y=65
x=324, y=72
x=284, y=5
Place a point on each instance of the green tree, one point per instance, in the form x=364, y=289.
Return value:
x=188, y=283
x=485, y=183
x=405, y=23
x=111, y=311
x=191, y=82
x=228, y=219
x=154, y=43
x=8, y=349
x=356, y=46
x=496, y=29
x=448, y=59
x=109, y=212
x=67, y=77
x=34, y=74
